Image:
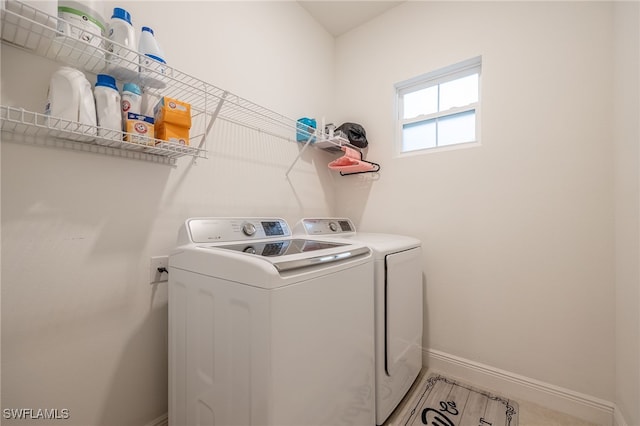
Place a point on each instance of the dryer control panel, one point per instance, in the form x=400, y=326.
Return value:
x=220, y=229
x=325, y=226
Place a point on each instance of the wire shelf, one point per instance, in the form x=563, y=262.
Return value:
x=33, y=124
x=31, y=29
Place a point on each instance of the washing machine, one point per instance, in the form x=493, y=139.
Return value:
x=398, y=304
x=268, y=329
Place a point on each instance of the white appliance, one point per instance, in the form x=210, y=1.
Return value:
x=267, y=329
x=398, y=305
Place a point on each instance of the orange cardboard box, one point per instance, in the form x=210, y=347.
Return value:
x=172, y=133
x=141, y=129
x=172, y=111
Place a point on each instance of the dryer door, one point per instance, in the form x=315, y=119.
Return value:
x=403, y=319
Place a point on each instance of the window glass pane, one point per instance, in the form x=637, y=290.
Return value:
x=439, y=108
x=419, y=135
x=424, y=101
x=458, y=93
x=457, y=128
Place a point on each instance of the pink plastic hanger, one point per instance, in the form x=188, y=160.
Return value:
x=352, y=163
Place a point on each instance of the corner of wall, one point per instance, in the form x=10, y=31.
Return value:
x=567, y=401
x=618, y=418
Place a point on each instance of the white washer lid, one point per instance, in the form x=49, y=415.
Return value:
x=383, y=244
x=265, y=271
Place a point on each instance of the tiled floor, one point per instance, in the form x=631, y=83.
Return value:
x=535, y=415
x=529, y=414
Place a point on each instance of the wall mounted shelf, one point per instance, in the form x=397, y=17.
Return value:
x=31, y=29
x=31, y=125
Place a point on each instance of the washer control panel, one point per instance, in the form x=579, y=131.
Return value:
x=325, y=226
x=217, y=229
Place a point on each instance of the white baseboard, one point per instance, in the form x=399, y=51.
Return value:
x=163, y=420
x=514, y=385
x=586, y=407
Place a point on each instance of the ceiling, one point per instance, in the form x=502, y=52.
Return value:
x=338, y=17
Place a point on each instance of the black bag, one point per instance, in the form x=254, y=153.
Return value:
x=355, y=133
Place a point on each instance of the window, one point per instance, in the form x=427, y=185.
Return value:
x=439, y=108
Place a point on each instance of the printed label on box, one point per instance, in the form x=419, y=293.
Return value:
x=139, y=129
x=172, y=133
x=169, y=110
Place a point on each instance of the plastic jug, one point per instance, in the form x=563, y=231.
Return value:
x=81, y=20
x=70, y=97
x=108, y=106
x=149, y=102
x=131, y=100
x=122, y=59
x=152, y=59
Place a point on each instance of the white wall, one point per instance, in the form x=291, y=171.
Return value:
x=81, y=327
x=627, y=196
x=518, y=233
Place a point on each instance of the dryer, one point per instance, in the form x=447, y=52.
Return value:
x=398, y=305
x=269, y=329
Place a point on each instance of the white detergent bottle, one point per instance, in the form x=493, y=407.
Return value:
x=80, y=22
x=87, y=115
x=122, y=58
x=108, y=107
x=70, y=97
x=152, y=60
x=149, y=101
x=63, y=96
x=131, y=100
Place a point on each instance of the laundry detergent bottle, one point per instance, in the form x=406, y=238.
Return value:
x=70, y=97
x=131, y=100
x=108, y=107
x=80, y=22
x=122, y=58
x=152, y=59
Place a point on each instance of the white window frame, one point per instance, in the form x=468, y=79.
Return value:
x=434, y=78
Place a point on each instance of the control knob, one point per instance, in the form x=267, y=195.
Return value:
x=248, y=229
x=333, y=226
